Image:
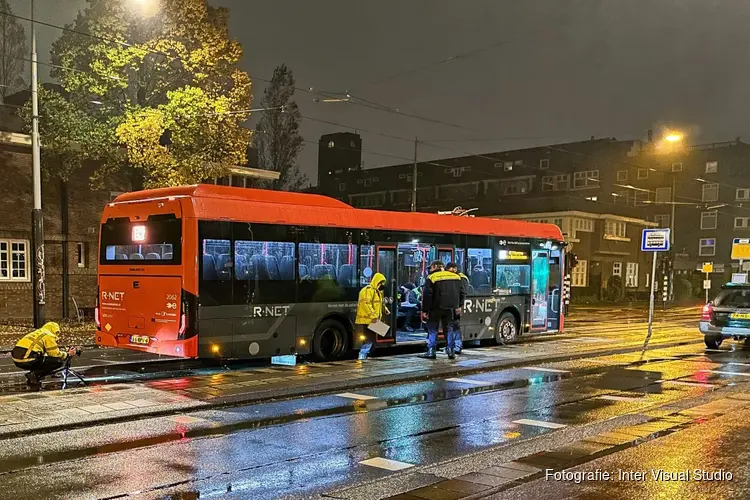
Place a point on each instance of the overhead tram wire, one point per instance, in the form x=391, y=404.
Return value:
x=309, y=90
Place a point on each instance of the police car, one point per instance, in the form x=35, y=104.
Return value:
x=727, y=316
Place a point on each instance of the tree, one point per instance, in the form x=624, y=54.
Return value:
x=13, y=52
x=163, y=88
x=277, y=134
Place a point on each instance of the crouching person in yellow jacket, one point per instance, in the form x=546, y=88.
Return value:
x=370, y=309
x=38, y=353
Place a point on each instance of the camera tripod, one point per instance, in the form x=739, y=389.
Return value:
x=66, y=371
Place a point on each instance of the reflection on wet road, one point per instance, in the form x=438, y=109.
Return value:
x=313, y=445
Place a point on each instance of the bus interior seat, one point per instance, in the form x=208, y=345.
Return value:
x=224, y=266
x=121, y=256
x=168, y=256
x=286, y=267
x=272, y=265
x=209, y=267
x=304, y=272
x=258, y=268
x=241, y=267
x=346, y=276
x=136, y=256
x=480, y=278
x=331, y=271
x=153, y=256
x=321, y=271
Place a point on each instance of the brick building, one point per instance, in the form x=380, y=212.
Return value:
x=72, y=212
x=601, y=192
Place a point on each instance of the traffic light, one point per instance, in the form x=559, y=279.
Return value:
x=571, y=261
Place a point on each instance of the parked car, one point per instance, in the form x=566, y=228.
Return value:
x=727, y=316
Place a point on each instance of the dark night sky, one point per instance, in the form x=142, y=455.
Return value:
x=569, y=68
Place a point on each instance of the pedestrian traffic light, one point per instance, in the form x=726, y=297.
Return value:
x=571, y=261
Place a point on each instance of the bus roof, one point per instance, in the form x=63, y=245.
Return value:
x=282, y=207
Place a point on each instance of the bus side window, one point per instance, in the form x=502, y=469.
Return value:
x=479, y=271
x=331, y=271
x=264, y=272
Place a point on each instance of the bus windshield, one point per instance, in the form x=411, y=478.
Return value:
x=155, y=241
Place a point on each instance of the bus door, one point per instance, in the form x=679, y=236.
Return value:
x=555, y=290
x=540, y=272
x=386, y=265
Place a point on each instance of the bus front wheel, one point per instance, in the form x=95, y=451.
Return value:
x=507, y=328
x=330, y=341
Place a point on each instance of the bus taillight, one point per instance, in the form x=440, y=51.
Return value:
x=97, y=317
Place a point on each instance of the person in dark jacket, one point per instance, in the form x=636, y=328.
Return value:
x=453, y=268
x=441, y=301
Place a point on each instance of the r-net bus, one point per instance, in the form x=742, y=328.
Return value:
x=212, y=271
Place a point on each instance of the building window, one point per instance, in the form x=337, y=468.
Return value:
x=710, y=192
x=555, y=182
x=622, y=198
x=631, y=275
x=743, y=194
x=587, y=179
x=579, y=277
x=14, y=263
x=707, y=247
x=368, y=200
x=81, y=254
x=642, y=173
x=663, y=195
x=458, y=192
x=584, y=225
x=508, y=166
x=496, y=189
x=712, y=167
x=741, y=222
x=676, y=167
x=622, y=175
x=709, y=220
x=544, y=163
x=641, y=198
x=617, y=269
x=662, y=220
x=615, y=229
x=342, y=186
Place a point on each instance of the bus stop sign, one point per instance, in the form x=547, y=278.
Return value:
x=655, y=240
x=741, y=249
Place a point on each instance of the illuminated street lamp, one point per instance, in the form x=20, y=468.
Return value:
x=673, y=137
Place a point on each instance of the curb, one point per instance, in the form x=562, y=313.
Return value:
x=328, y=388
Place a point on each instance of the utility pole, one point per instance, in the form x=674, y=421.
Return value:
x=671, y=236
x=37, y=218
x=414, y=178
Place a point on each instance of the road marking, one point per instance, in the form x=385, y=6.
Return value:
x=539, y=423
x=360, y=397
x=719, y=372
x=384, y=463
x=714, y=350
x=610, y=397
x=680, y=382
x=466, y=381
x=739, y=364
x=540, y=369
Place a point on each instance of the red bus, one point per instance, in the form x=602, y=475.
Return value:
x=214, y=271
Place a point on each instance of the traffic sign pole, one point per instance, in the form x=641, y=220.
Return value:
x=655, y=241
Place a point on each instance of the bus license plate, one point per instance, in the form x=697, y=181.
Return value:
x=139, y=339
x=740, y=316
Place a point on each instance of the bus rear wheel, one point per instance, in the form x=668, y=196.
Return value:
x=330, y=340
x=507, y=328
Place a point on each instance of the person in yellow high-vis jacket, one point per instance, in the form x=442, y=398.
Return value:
x=370, y=309
x=39, y=353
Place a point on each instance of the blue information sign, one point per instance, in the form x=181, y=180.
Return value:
x=655, y=240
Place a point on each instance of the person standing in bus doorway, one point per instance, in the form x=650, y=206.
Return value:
x=453, y=267
x=370, y=309
x=441, y=301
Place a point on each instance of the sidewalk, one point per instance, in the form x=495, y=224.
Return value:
x=23, y=414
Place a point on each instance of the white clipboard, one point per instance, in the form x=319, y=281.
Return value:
x=379, y=328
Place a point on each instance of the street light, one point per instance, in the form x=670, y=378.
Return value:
x=673, y=137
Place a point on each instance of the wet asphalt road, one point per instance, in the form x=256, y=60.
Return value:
x=309, y=446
